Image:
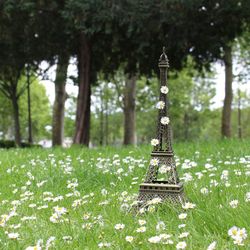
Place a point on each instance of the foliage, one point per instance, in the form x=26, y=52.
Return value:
x=93, y=19
x=119, y=41
x=241, y=51
x=217, y=24
x=40, y=107
x=41, y=111
x=191, y=94
x=11, y=144
x=7, y=144
x=107, y=105
x=69, y=120
x=5, y=117
x=190, y=98
x=245, y=117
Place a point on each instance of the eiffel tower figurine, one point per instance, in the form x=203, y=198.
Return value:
x=162, y=157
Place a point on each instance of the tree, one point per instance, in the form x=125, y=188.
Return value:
x=191, y=94
x=30, y=138
x=129, y=111
x=89, y=25
x=40, y=107
x=125, y=87
x=5, y=116
x=60, y=98
x=227, y=107
x=41, y=111
x=211, y=27
x=56, y=47
x=9, y=79
x=18, y=47
x=136, y=48
x=241, y=54
x=106, y=106
x=11, y=60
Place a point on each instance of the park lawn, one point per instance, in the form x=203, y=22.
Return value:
x=74, y=198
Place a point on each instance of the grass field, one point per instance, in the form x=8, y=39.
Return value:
x=79, y=199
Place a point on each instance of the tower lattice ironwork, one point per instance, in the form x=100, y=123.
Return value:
x=162, y=157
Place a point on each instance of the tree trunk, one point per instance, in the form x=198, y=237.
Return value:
x=60, y=98
x=129, y=111
x=82, y=131
x=106, y=122
x=239, y=115
x=30, y=139
x=14, y=100
x=227, y=108
x=186, y=126
x=101, y=120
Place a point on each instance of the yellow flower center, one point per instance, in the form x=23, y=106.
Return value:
x=234, y=232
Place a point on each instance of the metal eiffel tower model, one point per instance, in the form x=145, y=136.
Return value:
x=162, y=157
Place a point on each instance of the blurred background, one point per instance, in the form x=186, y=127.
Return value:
x=86, y=71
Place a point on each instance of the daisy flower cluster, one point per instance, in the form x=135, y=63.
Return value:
x=58, y=215
x=238, y=235
x=84, y=198
x=164, y=120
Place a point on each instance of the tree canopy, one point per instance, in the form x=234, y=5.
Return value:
x=110, y=36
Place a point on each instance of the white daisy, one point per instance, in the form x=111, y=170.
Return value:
x=154, y=239
x=142, y=222
x=60, y=210
x=184, y=235
x=233, y=231
x=188, y=205
x=234, y=203
x=160, y=105
x=204, y=190
x=165, y=236
x=160, y=226
x=13, y=236
x=181, y=245
x=155, y=200
x=165, y=120
x=242, y=233
x=141, y=229
x=182, y=216
x=119, y=226
x=164, y=89
x=155, y=142
x=164, y=169
x=212, y=246
x=129, y=239
x=154, y=162
x=37, y=247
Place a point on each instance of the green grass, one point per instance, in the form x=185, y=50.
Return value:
x=97, y=169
